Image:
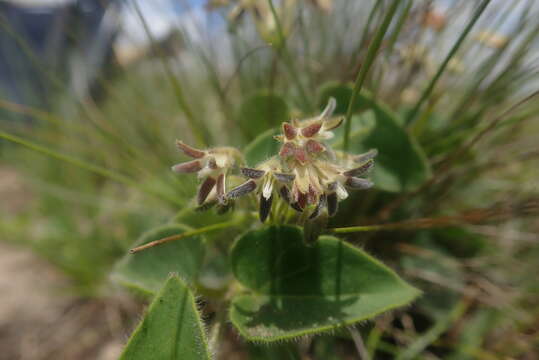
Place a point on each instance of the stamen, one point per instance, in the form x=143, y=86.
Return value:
x=187, y=167
x=252, y=173
x=190, y=151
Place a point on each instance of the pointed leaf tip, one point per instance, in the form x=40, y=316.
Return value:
x=171, y=329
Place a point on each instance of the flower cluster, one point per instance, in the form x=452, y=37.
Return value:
x=212, y=167
x=306, y=173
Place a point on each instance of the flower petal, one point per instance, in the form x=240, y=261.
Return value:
x=311, y=130
x=212, y=164
x=371, y=154
x=284, y=177
x=318, y=207
x=187, y=167
x=221, y=187
x=285, y=194
x=252, y=173
x=241, y=190
x=312, y=195
x=314, y=147
x=221, y=160
x=358, y=183
x=332, y=203
x=302, y=200
x=265, y=207
x=329, y=109
x=363, y=169
x=205, y=189
x=341, y=191
x=289, y=131
x=288, y=149
x=267, y=188
x=190, y=151
x=332, y=123
x=301, y=156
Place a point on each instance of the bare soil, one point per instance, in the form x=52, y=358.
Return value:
x=40, y=317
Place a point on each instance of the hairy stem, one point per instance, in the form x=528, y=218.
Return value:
x=202, y=230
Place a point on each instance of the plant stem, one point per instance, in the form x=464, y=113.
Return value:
x=358, y=341
x=416, y=348
x=362, y=75
x=497, y=212
x=288, y=60
x=366, y=28
x=426, y=93
x=398, y=27
x=183, y=235
x=87, y=166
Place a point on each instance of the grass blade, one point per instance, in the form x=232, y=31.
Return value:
x=426, y=94
x=362, y=75
x=87, y=166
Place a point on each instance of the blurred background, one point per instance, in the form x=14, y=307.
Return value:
x=93, y=94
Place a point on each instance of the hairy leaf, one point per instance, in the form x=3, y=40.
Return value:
x=171, y=328
x=298, y=290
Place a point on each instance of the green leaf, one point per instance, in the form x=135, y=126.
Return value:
x=298, y=290
x=171, y=329
x=261, y=112
x=401, y=164
x=147, y=270
x=262, y=148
